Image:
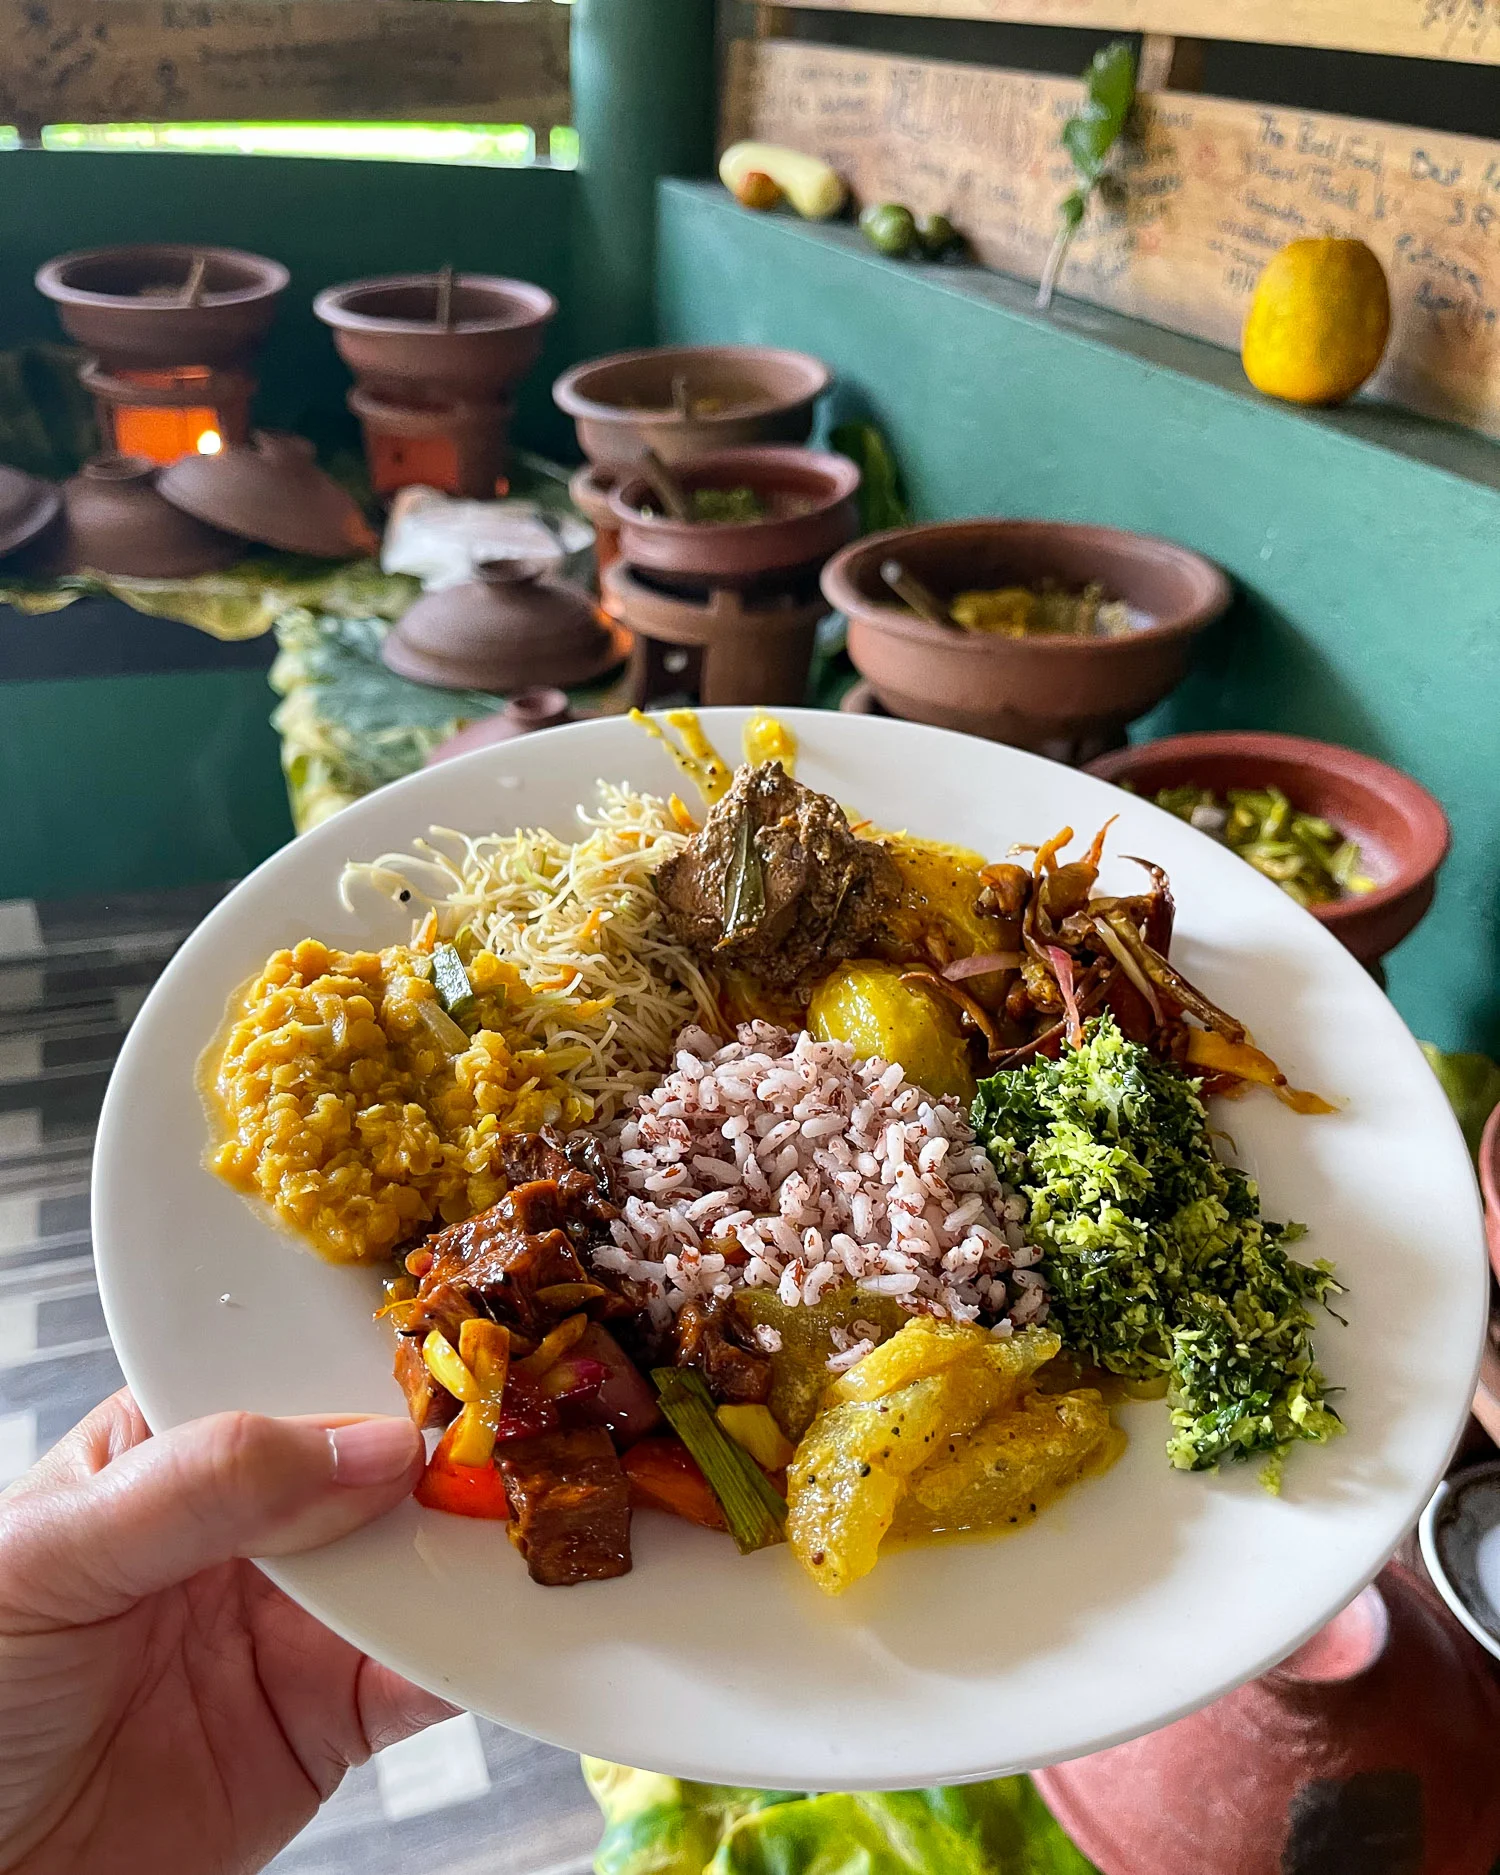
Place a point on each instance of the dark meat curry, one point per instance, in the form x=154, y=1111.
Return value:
x=776, y=884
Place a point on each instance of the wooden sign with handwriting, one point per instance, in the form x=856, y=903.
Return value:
x=174, y=61
x=1208, y=190
x=1466, y=30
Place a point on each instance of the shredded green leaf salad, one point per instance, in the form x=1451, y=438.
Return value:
x=1159, y=1263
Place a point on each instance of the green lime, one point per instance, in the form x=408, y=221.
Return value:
x=937, y=235
x=889, y=227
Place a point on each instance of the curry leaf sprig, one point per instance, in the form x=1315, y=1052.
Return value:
x=1109, y=92
x=1158, y=1261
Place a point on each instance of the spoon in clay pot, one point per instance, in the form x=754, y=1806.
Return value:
x=920, y=598
x=665, y=483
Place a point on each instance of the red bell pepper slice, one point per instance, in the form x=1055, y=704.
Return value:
x=461, y=1490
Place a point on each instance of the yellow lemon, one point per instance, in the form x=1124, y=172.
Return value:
x=1318, y=322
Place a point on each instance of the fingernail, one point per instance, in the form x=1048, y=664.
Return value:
x=373, y=1451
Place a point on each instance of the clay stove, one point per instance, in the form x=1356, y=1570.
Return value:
x=171, y=333
x=727, y=611
x=436, y=360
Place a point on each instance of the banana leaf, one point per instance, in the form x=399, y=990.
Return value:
x=667, y=1826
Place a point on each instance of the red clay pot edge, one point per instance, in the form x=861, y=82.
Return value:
x=842, y=594
x=49, y=277
x=1489, y=1184
x=534, y=304
x=698, y=471
x=1424, y=814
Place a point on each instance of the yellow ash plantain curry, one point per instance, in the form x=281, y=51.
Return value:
x=939, y=1430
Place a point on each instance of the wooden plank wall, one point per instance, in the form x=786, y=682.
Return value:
x=175, y=61
x=1420, y=29
x=1208, y=189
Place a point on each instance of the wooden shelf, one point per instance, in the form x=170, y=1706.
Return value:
x=1203, y=193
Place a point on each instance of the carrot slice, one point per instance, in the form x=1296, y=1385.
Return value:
x=663, y=1476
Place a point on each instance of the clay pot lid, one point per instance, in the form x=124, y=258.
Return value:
x=1177, y=590
x=624, y=387
x=27, y=506
x=509, y=628
x=408, y=303
x=527, y=711
x=271, y=491
x=118, y=522
x=1394, y=819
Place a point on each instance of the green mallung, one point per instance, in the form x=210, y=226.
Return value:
x=1159, y=1264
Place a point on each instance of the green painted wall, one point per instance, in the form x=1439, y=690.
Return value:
x=327, y=221
x=131, y=783
x=643, y=104
x=1369, y=607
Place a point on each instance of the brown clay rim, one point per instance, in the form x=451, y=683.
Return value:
x=118, y=468
x=845, y=591
x=408, y=303
x=27, y=506
x=1425, y=821
x=1489, y=1184
x=801, y=378
x=768, y=468
x=232, y=277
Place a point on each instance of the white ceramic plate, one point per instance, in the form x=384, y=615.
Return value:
x=1140, y=1596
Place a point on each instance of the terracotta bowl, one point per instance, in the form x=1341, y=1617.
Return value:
x=1035, y=693
x=1402, y=832
x=737, y=553
x=117, y=301
x=386, y=331
x=624, y=402
x=1489, y=1184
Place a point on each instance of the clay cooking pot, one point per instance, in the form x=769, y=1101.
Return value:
x=738, y=394
x=819, y=490
x=1401, y=830
x=509, y=628
x=1489, y=1184
x=123, y=303
x=388, y=333
x=117, y=522
x=525, y=713
x=1030, y=692
x=1372, y=1749
x=271, y=491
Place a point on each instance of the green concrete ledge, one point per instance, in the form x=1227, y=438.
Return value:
x=1365, y=543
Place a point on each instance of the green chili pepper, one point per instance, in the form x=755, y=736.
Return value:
x=451, y=980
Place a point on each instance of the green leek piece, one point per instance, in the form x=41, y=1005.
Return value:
x=451, y=979
x=753, y=1508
